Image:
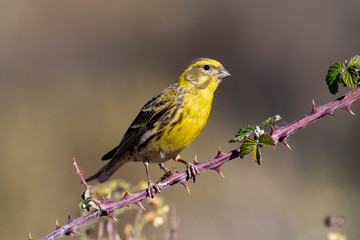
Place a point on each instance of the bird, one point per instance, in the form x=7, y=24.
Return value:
x=168, y=122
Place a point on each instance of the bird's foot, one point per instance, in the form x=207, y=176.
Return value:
x=152, y=189
x=191, y=170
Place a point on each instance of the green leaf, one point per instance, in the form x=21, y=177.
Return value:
x=86, y=195
x=242, y=134
x=269, y=121
x=354, y=62
x=265, y=139
x=333, y=77
x=247, y=147
x=257, y=155
x=350, y=77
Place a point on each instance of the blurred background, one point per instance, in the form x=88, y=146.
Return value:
x=74, y=74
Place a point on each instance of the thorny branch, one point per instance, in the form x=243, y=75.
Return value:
x=279, y=134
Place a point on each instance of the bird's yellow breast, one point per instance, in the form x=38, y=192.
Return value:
x=190, y=119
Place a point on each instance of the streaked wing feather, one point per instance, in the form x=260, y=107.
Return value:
x=156, y=105
x=148, y=115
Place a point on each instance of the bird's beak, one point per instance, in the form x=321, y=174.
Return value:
x=223, y=73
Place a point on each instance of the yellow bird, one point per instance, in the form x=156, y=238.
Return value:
x=169, y=122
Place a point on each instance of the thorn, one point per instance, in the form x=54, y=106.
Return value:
x=140, y=205
x=219, y=152
x=219, y=171
x=30, y=238
x=126, y=194
x=347, y=108
x=313, y=106
x=57, y=226
x=69, y=219
x=195, y=160
x=107, y=201
x=284, y=141
x=112, y=216
x=273, y=126
x=184, y=183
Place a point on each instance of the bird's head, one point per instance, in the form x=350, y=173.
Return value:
x=203, y=73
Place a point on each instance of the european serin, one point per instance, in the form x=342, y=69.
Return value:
x=169, y=122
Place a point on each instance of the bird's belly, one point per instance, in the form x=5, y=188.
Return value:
x=178, y=134
x=159, y=156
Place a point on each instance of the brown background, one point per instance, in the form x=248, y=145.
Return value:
x=73, y=75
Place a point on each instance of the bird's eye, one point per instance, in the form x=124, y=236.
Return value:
x=206, y=67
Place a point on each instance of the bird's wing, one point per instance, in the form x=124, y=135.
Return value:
x=148, y=115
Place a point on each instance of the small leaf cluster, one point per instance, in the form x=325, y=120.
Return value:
x=88, y=202
x=253, y=144
x=246, y=132
x=346, y=73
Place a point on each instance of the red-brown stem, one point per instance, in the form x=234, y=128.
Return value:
x=280, y=134
x=79, y=172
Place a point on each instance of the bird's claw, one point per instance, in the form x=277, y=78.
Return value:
x=192, y=171
x=152, y=189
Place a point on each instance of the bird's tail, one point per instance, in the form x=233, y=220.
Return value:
x=106, y=171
